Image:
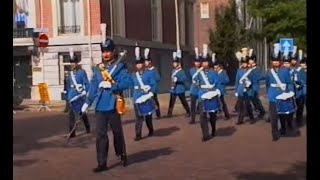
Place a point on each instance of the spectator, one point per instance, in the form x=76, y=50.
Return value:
x=21, y=19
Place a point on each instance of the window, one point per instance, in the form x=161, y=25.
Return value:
x=156, y=20
x=69, y=16
x=204, y=10
x=64, y=65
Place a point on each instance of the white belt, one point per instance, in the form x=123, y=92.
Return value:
x=274, y=85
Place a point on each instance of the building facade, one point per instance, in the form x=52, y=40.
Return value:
x=77, y=24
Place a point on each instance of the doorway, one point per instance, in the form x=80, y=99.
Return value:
x=22, y=76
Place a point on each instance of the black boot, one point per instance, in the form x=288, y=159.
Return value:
x=124, y=160
x=100, y=168
x=138, y=137
x=169, y=113
x=158, y=113
x=149, y=125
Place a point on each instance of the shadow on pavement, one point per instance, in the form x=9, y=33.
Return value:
x=148, y=155
x=166, y=131
x=22, y=163
x=226, y=131
x=297, y=171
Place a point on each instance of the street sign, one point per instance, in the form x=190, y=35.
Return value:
x=43, y=40
x=286, y=44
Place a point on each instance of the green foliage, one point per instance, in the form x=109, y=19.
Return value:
x=228, y=36
x=282, y=18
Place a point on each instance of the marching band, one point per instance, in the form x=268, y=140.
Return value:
x=286, y=93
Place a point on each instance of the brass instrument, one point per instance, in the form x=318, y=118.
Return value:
x=105, y=74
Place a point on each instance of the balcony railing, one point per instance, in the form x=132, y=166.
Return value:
x=22, y=32
x=68, y=29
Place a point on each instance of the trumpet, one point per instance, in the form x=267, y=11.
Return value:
x=105, y=74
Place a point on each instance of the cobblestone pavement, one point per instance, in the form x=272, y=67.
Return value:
x=243, y=152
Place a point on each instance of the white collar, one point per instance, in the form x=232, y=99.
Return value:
x=220, y=71
x=254, y=67
x=152, y=67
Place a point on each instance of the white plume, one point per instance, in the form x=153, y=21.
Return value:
x=146, y=52
x=244, y=52
x=213, y=57
x=276, y=49
x=205, y=50
x=196, y=50
x=250, y=52
x=174, y=55
x=179, y=54
x=239, y=55
x=294, y=52
x=137, y=53
x=300, y=54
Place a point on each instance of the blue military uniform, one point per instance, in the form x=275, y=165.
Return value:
x=194, y=88
x=244, y=92
x=156, y=76
x=78, y=86
x=104, y=94
x=297, y=76
x=222, y=83
x=303, y=76
x=178, y=86
x=274, y=90
x=144, y=86
x=257, y=76
x=208, y=81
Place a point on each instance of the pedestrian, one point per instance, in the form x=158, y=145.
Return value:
x=194, y=88
x=155, y=74
x=280, y=95
x=209, y=96
x=244, y=90
x=222, y=83
x=109, y=79
x=297, y=77
x=77, y=91
x=178, y=84
x=256, y=78
x=144, y=86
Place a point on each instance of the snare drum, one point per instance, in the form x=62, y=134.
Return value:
x=211, y=105
x=285, y=106
x=145, y=104
x=77, y=104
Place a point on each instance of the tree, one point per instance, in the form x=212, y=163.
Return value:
x=229, y=34
x=281, y=18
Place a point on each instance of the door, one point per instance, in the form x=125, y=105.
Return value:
x=22, y=76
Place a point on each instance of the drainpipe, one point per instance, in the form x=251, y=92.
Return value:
x=89, y=31
x=177, y=25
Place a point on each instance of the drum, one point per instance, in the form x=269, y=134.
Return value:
x=285, y=106
x=77, y=104
x=145, y=104
x=211, y=105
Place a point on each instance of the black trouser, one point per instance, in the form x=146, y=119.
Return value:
x=236, y=106
x=300, y=107
x=257, y=103
x=139, y=122
x=155, y=98
x=224, y=107
x=102, y=140
x=72, y=120
x=244, y=106
x=284, y=118
x=194, y=107
x=183, y=100
x=204, y=122
x=66, y=109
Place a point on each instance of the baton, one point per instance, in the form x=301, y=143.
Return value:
x=75, y=125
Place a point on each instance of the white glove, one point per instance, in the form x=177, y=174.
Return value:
x=236, y=94
x=146, y=88
x=79, y=87
x=283, y=87
x=105, y=84
x=83, y=93
x=64, y=92
x=84, y=107
x=175, y=79
x=194, y=82
x=209, y=86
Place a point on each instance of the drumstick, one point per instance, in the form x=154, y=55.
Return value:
x=75, y=126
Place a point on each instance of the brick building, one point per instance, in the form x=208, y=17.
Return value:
x=77, y=24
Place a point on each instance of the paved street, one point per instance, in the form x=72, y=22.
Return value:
x=243, y=152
